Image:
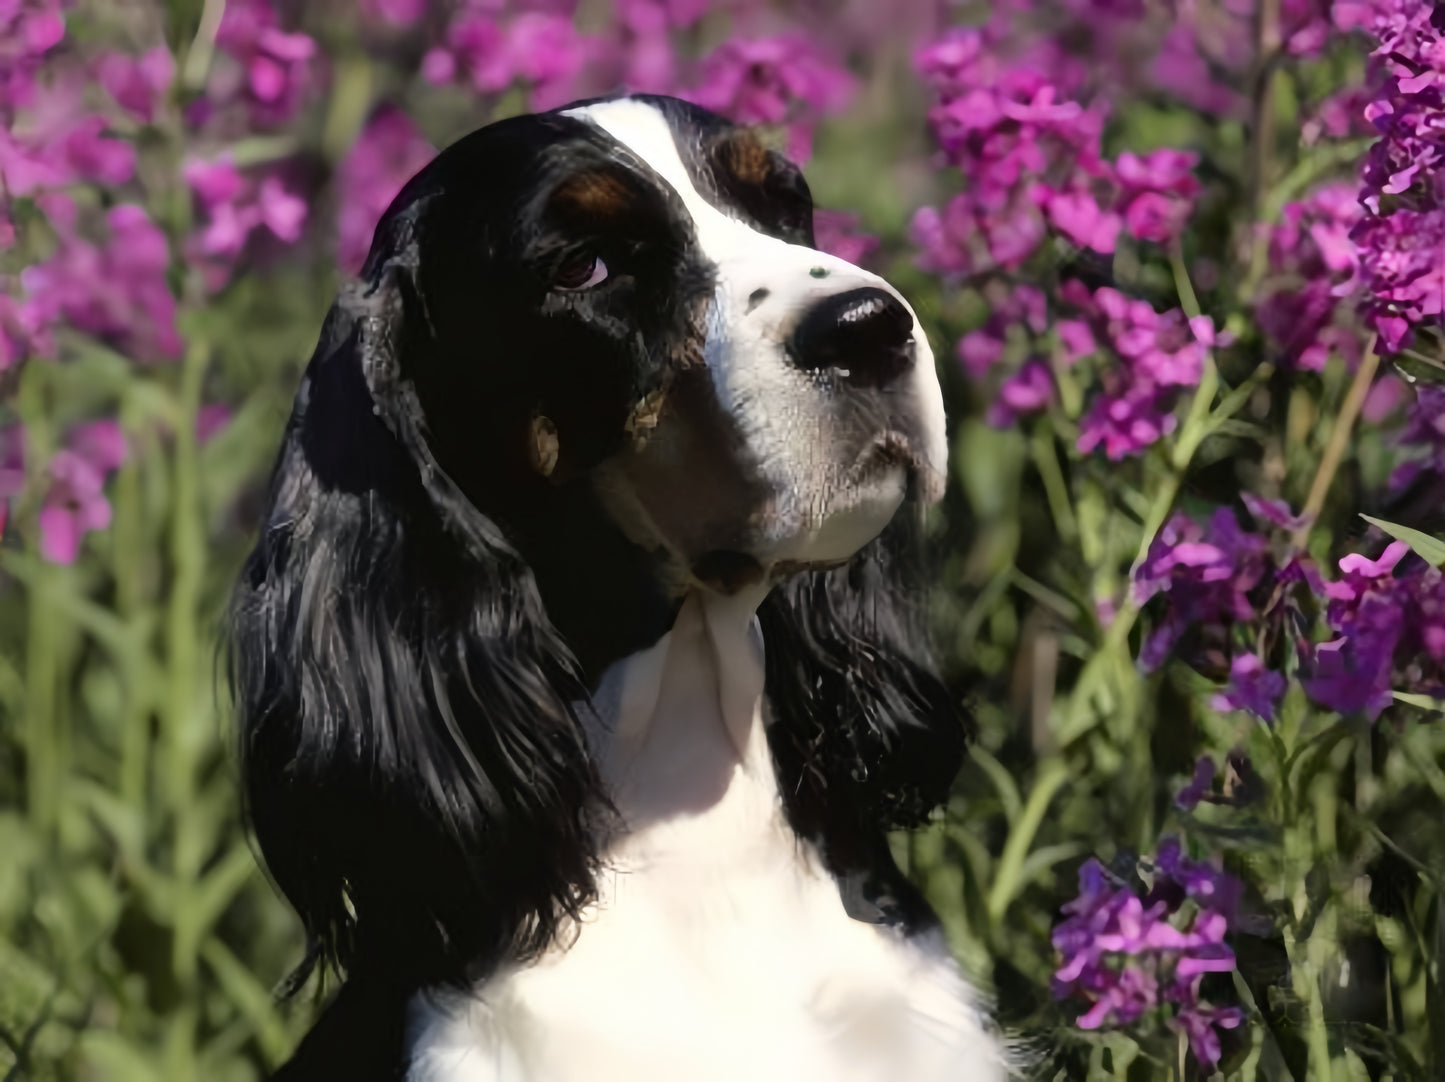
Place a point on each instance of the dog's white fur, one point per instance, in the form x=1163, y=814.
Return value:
x=719, y=950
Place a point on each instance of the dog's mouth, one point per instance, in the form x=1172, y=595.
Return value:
x=887, y=472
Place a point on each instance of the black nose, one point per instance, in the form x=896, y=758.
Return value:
x=866, y=335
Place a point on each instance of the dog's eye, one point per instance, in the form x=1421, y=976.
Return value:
x=581, y=272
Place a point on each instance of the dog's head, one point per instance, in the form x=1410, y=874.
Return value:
x=594, y=361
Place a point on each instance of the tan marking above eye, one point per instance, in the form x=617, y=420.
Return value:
x=742, y=155
x=592, y=196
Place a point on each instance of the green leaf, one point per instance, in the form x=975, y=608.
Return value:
x=1430, y=549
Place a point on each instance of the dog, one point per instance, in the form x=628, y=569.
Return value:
x=580, y=665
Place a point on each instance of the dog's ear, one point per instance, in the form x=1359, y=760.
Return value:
x=412, y=766
x=865, y=735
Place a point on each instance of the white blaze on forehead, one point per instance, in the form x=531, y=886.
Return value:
x=642, y=129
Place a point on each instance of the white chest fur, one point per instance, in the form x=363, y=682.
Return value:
x=719, y=949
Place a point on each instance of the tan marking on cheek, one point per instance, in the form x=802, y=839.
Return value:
x=544, y=447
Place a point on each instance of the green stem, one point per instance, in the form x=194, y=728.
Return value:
x=185, y=715
x=1051, y=776
x=1056, y=488
x=1339, y=439
x=42, y=737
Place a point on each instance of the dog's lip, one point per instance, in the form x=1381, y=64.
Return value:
x=893, y=449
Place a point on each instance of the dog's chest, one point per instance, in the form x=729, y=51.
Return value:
x=718, y=948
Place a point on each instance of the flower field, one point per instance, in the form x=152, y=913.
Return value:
x=1183, y=266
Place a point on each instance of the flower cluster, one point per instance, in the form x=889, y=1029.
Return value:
x=1401, y=236
x=1033, y=163
x=263, y=69
x=232, y=207
x=1157, y=355
x=1313, y=268
x=1129, y=955
x=1223, y=584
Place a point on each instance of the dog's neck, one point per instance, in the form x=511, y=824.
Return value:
x=678, y=727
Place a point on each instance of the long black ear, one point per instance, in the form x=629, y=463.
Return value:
x=865, y=735
x=412, y=766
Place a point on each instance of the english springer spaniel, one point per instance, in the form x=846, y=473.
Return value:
x=579, y=670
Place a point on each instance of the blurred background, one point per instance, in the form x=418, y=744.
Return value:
x=1182, y=263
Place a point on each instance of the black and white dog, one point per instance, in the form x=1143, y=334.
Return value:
x=579, y=672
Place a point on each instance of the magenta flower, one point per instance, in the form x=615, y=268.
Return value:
x=116, y=291
x=784, y=80
x=1158, y=192
x=233, y=206
x=75, y=504
x=1251, y=687
x=837, y=233
x=1200, y=787
x=1116, y=949
x=1200, y=1022
x=276, y=66
x=1027, y=391
x=28, y=30
x=1205, y=575
x=139, y=83
x=1423, y=438
x=1402, y=233
x=542, y=49
x=387, y=153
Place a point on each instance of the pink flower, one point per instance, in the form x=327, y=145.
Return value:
x=542, y=48
x=138, y=84
x=234, y=206
x=387, y=153
x=117, y=291
x=276, y=65
x=837, y=233
x=785, y=80
x=1027, y=391
x=75, y=504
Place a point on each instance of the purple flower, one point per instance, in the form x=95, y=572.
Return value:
x=386, y=154
x=138, y=84
x=28, y=30
x=1077, y=215
x=542, y=48
x=1126, y=423
x=233, y=206
x=836, y=232
x=1402, y=233
x=1200, y=787
x=117, y=291
x=211, y=419
x=785, y=80
x=75, y=505
x=275, y=65
x=1157, y=352
x=1158, y=192
x=1115, y=947
x=1251, y=687
x=1206, y=576
x=1027, y=391
x=1423, y=437
x=1351, y=674
x=1200, y=1022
